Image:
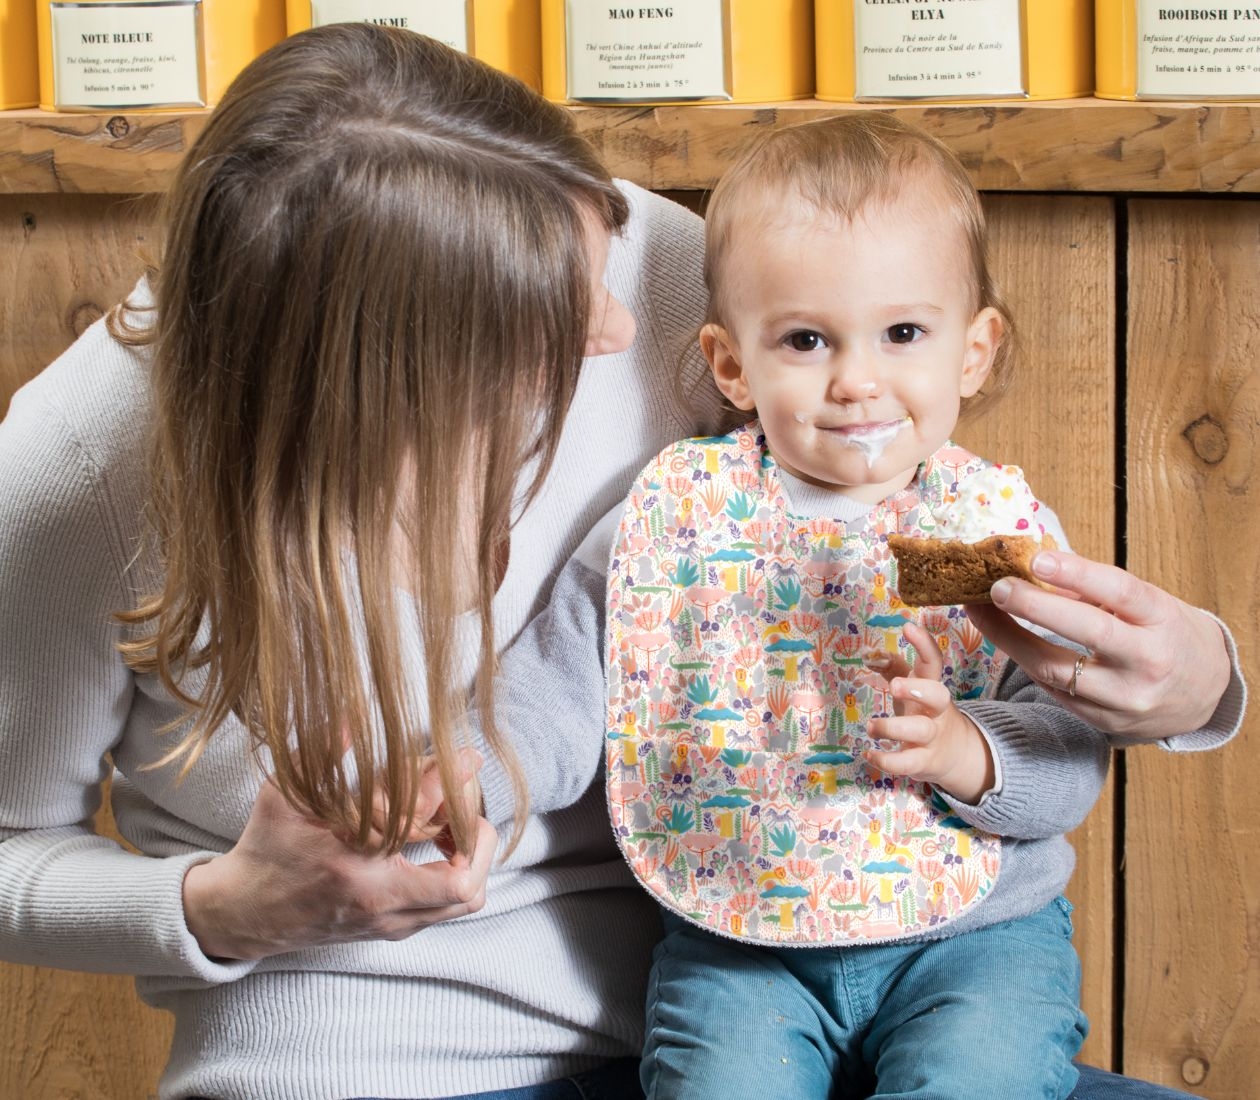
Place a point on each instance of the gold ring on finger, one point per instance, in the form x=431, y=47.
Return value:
x=1077, y=670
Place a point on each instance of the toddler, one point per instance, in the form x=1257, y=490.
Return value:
x=860, y=864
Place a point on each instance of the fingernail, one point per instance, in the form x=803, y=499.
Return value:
x=1001, y=590
x=1045, y=566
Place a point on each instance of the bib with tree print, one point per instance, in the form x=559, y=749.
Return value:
x=738, y=702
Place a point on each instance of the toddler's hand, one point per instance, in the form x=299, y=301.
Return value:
x=937, y=743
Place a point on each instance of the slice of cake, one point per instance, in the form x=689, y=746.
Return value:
x=988, y=530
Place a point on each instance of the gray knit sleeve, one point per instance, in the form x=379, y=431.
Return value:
x=1053, y=764
x=68, y=897
x=551, y=702
x=656, y=269
x=1226, y=720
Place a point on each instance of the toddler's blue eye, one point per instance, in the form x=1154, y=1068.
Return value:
x=804, y=341
x=904, y=333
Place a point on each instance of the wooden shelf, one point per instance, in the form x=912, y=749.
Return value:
x=1066, y=145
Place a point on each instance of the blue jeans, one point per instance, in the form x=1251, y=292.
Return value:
x=990, y=1013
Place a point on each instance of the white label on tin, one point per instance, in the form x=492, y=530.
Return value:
x=1197, y=52
x=648, y=52
x=933, y=48
x=445, y=20
x=127, y=55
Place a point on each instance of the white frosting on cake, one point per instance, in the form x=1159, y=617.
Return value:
x=993, y=501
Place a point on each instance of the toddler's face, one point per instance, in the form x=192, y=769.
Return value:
x=854, y=342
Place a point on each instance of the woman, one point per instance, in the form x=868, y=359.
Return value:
x=383, y=268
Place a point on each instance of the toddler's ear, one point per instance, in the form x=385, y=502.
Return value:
x=723, y=356
x=984, y=337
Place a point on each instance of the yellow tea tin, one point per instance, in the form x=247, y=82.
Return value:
x=504, y=33
x=873, y=50
x=737, y=51
x=138, y=54
x=19, y=55
x=1158, y=50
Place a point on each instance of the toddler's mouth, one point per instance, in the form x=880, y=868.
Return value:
x=871, y=438
x=871, y=429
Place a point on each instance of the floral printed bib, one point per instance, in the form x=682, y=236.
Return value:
x=738, y=703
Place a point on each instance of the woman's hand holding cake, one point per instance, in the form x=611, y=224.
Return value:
x=1137, y=681
x=1124, y=668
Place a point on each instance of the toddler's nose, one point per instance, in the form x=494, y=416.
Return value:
x=855, y=378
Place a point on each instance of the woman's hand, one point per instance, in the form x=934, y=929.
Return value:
x=290, y=883
x=1154, y=667
x=936, y=742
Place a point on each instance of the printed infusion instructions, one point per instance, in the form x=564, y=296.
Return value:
x=1197, y=53
x=445, y=20
x=647, y=52
x=128, y=55
x=959, y=49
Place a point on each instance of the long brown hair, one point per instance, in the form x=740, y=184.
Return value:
x=370, y=315
x=838, y=165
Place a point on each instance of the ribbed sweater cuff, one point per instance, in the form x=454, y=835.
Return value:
x=1033, y=765
x=1227, y=719
x=106, y=910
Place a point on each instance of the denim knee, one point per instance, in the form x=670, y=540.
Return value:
x=990, y=1013
x=726, y=1020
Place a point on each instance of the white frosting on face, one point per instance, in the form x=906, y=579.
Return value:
x=992, y=501
x=873, y=443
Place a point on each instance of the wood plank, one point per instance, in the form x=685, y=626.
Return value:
x=44, y=152
x=1070, y=145
x=79, y=1036
x=1054, y=258
x=1192, y=862
x=1065, y=145
x=69, y=258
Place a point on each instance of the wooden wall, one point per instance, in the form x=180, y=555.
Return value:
x=1167, y=887
x=1054, y=257
x=68, y=258
x=1191, y=874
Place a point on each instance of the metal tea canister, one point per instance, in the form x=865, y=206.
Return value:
x=502, y=33
x=956, y=50
x=106, y=54
x=735, y=51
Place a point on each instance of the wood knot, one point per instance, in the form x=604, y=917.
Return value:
x=1207, y=438
x=118, y=127
x=1194, y=1071
x=82, y=316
